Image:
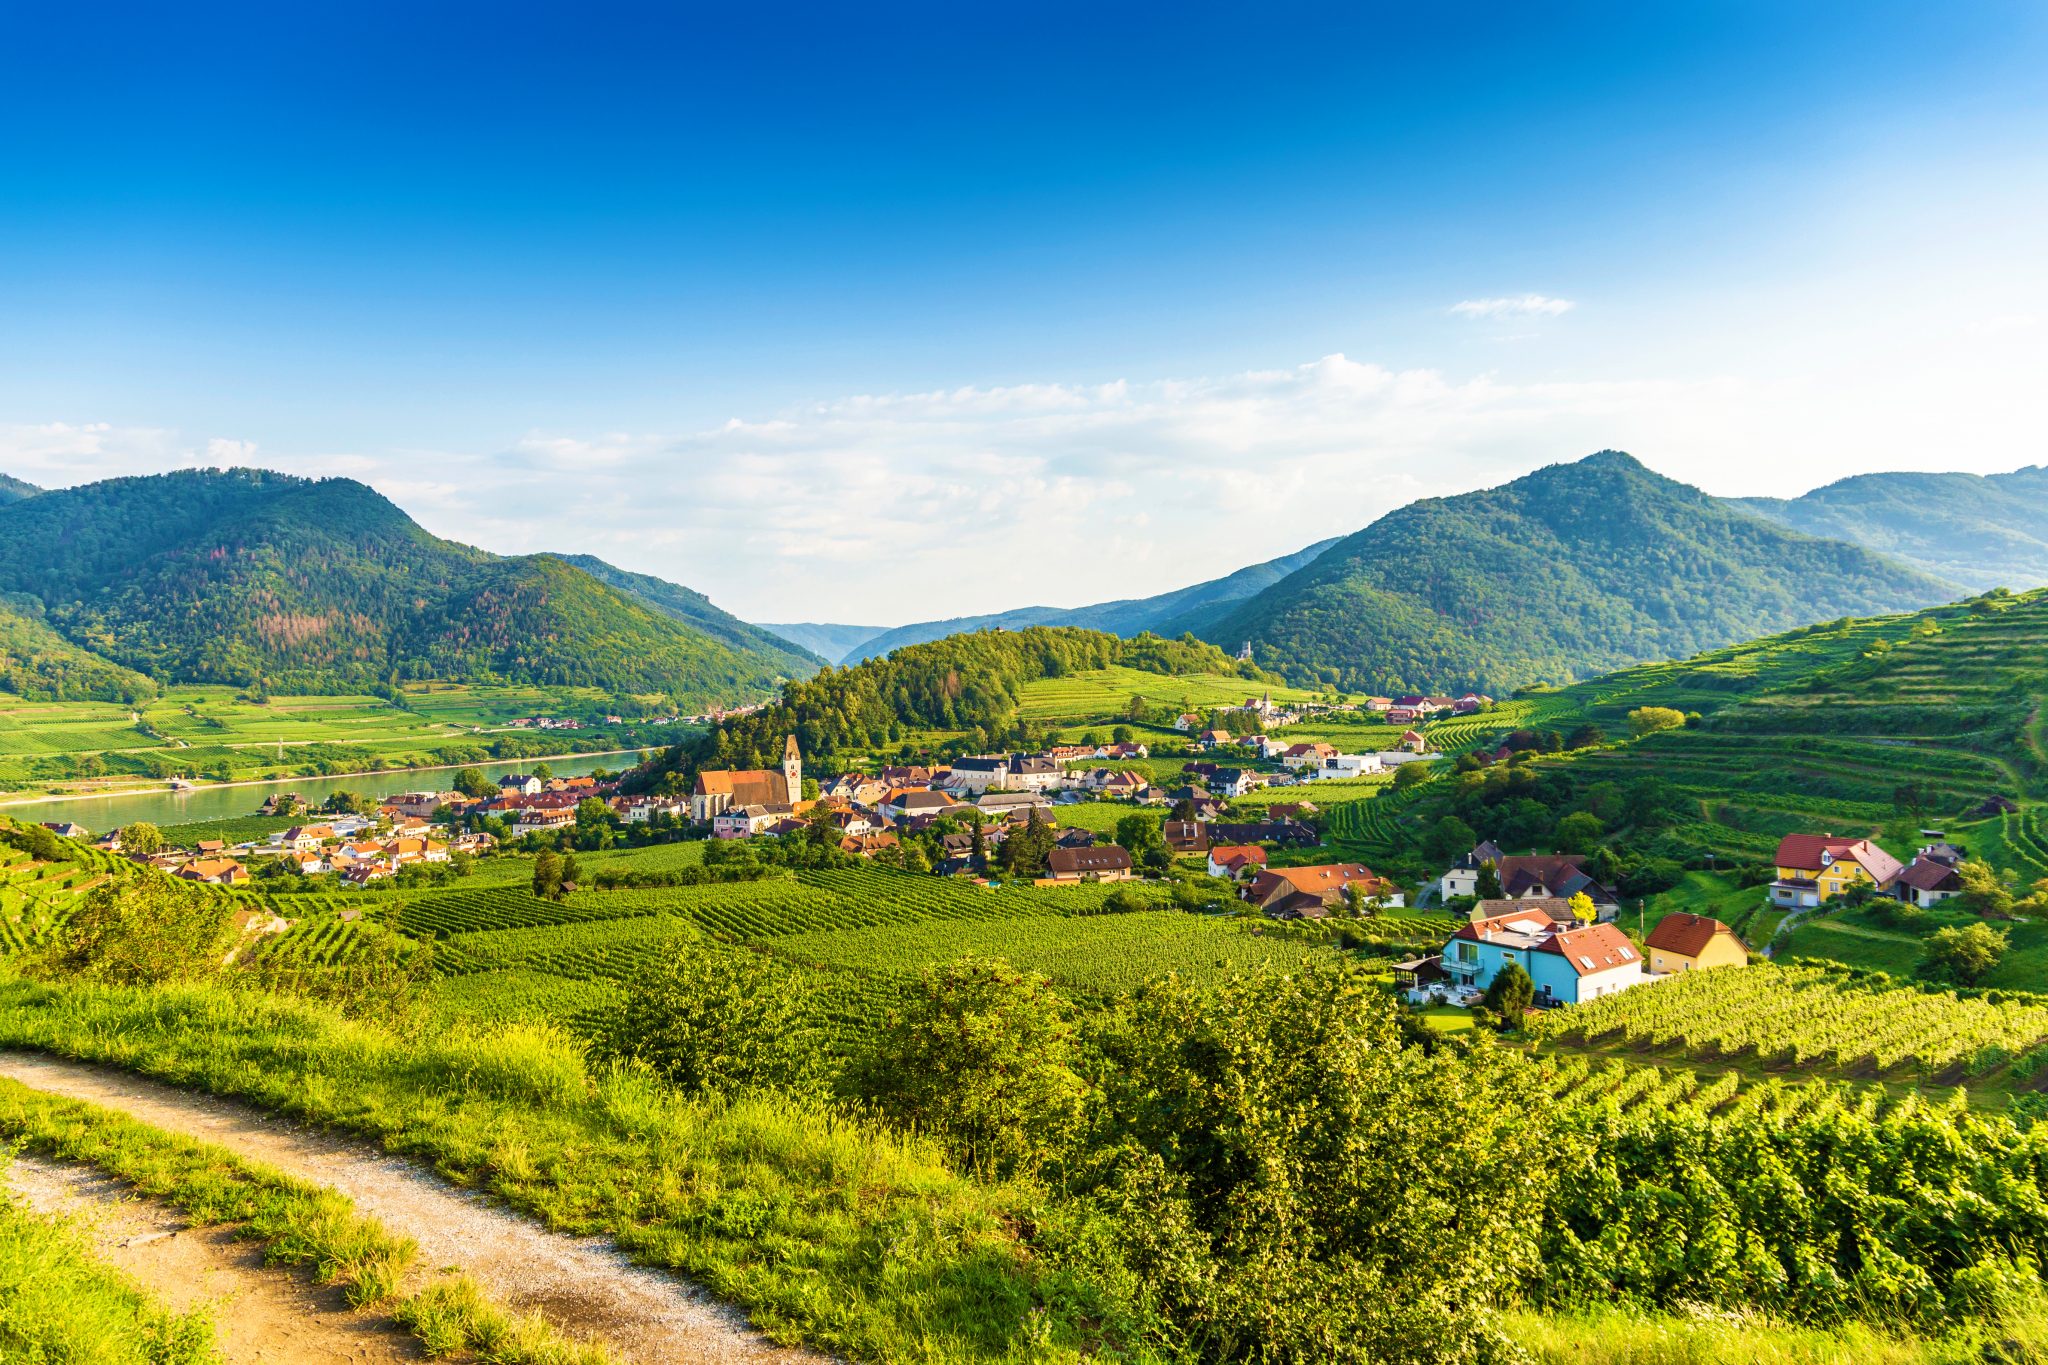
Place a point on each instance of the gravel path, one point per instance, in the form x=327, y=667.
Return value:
x=582, y=1284
x=262, y=1315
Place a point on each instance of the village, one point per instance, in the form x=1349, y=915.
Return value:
x=992, y=818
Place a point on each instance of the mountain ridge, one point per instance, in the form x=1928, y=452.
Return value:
x=1570, y=570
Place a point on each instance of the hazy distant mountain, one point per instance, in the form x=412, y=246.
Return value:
x=829, y=642
x=1126, y=617
x=13, y=489
x=1569, y=571
x=1983, y=531
x=242, y=575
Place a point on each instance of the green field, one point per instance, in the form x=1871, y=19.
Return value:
x=1103, y=693
x=219, y=734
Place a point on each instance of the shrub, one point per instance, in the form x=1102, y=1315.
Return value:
x=144, y=932
x=710, y=1019
x=983, y=1057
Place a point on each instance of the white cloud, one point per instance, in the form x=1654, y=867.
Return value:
x=1514, y=306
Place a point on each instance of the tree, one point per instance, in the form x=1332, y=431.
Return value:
x=982, y=1056
x=1450, y=837
x=1410, y=775
x=1122, y=734
x=1579, y=831
x=1585, y=737
x=1260, y=1132
x=1964, y=955
x=1648, y=720
x=978, y=848
x=543, y=771
x=1138, y=834
x=547, y=876
x=571, y=875
x=1025, y=850
x=141, y=837
x=1510, y=993
x=715, y=1019
x=472, y=782
x=1487, y=886
x=1984, y=891
x=147, y=932
x=1582, y=908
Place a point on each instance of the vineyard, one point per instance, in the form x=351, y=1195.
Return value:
x=1807, y=1018
x=1578, y=1082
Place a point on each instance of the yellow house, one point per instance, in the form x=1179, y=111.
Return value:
x=1813, y=868
x=1691, y=943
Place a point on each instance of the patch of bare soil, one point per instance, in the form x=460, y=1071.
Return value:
x=262, y=1315
x=584, y=1285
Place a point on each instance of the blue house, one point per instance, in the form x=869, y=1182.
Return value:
x=1567, y=964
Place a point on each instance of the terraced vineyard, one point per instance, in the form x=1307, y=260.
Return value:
x=1624, y=1086
x=1105, y=692
x=1808, y=1018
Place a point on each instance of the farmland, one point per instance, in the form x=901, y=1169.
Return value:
x=221, y=734
x=1809, y=1021
x=1104, y=693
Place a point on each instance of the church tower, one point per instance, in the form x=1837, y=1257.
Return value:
x=793, y=770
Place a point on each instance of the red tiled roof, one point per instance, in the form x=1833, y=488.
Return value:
x=1686, y=934
x=1596, y=948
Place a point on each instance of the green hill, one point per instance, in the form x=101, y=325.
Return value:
x=38, y=664
x=13, y=489
x=324, y=585
x=1127, y=616
x=1983, y=531
x=696, y=610
x=971, y=684
x=1569, y=571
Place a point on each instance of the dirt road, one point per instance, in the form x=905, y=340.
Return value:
x=583, y=1284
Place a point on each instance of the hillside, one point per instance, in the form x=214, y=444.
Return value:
x=1126, y=616
x=321, y=585
x=13, y=489
x=829, y=642
x=968, y=684
x=696, y=610
x=38, y=664
x=1983, y=531
x=1564, y=573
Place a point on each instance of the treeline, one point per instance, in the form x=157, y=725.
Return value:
x=969, y=683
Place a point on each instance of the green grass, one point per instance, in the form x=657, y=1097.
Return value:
x=298, y=1223
x=60, y=1304
x=825, y=1229
x=1104, y=693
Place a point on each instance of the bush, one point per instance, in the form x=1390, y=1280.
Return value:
x=711, y=1019
x=982, y=1057
x=143, y=933
x=1284, y=1181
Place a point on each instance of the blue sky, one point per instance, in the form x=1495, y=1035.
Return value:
x=768, y=300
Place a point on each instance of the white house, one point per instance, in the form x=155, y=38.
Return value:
x=1338, y=766
x=977, y=775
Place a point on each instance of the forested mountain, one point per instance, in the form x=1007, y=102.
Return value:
x=1983, y=531
x=13, y=489
x=832, y=643
x=1563, y=573
x=38, y=664
x=243, y=576
x=1126, y=616
x=694, y=609
x=964, y=682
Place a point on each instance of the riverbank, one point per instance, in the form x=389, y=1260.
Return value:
x=13, y=799
x=159, y=805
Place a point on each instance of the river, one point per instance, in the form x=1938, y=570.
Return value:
x=102, y=813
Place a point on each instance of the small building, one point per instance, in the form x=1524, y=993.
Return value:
x=214, y=871
x=1185, y=836
x=1102, y=863
x=1566, y=966
x=1927, y=881
x=1684, y=942
x=1236, y=861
